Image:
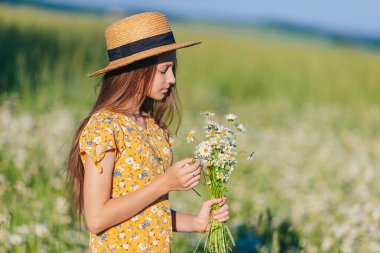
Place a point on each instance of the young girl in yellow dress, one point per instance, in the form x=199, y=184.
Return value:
x=120, y=166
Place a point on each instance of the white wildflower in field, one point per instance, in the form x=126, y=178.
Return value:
x=327, y=243
x=61, y=205
x=22, y=189
x=41, y=230
x=15, y=239
x=22, y=230
x=64, y=219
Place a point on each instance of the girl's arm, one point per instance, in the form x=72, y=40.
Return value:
x=102, y=211
x=186, y=222
x=198, y=223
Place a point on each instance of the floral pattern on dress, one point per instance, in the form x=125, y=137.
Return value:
x=135, y=167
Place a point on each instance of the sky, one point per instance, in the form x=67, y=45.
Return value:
x=348, y=16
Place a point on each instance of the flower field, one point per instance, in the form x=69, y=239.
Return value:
x=311, y=110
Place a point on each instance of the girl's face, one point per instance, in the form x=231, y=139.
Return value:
x=164, y=77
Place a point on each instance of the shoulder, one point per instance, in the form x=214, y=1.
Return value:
x=98, y=136
x=101, y=123
x=103, y=117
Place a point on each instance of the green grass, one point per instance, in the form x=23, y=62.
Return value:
x=311, y=111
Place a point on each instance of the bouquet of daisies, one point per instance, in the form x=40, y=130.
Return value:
x=218, y=155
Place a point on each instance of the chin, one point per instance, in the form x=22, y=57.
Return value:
x=159, y=96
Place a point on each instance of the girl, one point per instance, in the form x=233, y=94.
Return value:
x=120, y=167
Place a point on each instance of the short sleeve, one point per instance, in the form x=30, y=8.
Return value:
x=97, y=137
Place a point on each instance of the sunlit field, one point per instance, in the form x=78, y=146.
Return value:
x=312, y=113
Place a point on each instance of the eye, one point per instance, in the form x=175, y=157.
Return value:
x=164, y=71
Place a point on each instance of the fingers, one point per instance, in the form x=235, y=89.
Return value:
x=192, y=177
x=222, y=214
x=192, y=180
x=223, y=201
x=221, y=210
x=192, y=174
x=191, y=168
x=209, y=203
x=225, y=218
x=182, y=163
x=193, y=185
x=184, y=175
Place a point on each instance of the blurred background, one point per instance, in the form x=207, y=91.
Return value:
x=303, y=77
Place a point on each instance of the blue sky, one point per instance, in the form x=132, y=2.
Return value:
x=355, y=17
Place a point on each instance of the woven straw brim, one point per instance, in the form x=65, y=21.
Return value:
x=142, y=55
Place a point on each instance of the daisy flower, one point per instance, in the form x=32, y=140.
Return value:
x=41, y=230
x=204, y=149
x=220, y=175
x=206, y=113
x=230, y=117
x=210, y=124
x=223, y=131
x=240, y=127
x=213, y=143
x=190, y=136
x=207, y=164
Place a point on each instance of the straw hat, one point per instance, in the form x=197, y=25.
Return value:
x=137, y=37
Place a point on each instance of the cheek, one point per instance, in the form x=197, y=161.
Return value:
x=154, y=92
x=157, y=84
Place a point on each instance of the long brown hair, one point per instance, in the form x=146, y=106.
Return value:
x=131, y=83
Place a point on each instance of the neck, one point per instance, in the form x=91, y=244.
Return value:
x=136, y=108
x=138, y=112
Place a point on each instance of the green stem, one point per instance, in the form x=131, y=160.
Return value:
x=217, y=239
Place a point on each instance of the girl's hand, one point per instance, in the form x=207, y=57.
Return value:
x=181, y=176
x=220, y=215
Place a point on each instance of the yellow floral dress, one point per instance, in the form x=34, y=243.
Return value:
x=135, y=167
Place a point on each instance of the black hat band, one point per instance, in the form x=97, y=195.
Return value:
x=140, y=45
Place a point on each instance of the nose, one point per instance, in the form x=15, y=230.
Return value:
x=171, y=79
